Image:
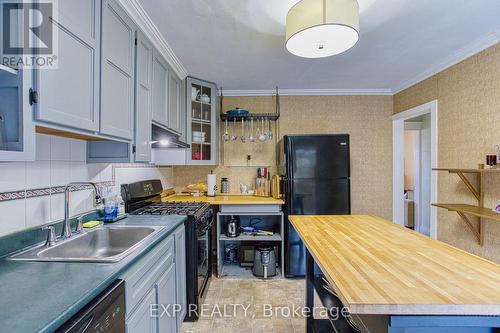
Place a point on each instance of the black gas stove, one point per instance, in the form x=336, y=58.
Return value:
x=173, y=208
x=144, y=198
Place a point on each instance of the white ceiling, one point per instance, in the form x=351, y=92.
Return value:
x=239, y=44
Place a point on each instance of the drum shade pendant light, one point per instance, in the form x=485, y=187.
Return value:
x=322, y=28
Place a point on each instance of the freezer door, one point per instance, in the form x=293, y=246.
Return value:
x=309, y=197
x=317, y=156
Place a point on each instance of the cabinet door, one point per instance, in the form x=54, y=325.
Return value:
x=180, y=273
x=183, y=136
x=141, y=320
x=143, y=98
x=160, y=90
x=201, y=103
x=69, y=95
x=166, y=293
x=117, y=66
x=174, y=103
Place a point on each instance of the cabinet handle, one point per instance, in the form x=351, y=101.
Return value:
x=33, y=96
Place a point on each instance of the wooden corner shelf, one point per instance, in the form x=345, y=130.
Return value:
x=475, y=171
x=485, y=213
x=478, y=211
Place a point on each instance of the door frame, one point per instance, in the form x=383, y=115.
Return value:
x=398, y=128
x=416, y=127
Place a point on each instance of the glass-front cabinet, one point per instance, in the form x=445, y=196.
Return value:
x=201, y=102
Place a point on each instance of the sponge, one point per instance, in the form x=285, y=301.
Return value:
x=90, y=224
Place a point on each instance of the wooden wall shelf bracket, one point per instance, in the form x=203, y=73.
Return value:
x=478, y=232
x=475, y=192
x=478, y=211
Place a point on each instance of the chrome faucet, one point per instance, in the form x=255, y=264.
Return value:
x=67, y=191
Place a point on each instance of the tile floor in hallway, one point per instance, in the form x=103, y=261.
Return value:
x=257, y=296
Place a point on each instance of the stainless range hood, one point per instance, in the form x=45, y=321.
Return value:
x=165, y=138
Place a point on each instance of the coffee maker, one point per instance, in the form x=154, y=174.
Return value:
x=233, y=227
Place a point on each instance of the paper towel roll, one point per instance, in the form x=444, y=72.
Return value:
x=212, y=185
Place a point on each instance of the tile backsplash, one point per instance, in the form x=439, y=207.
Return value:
x=58, y=162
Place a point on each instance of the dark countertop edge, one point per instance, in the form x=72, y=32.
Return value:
x=132, y=259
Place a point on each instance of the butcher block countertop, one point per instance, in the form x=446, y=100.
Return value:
x=226, y=199
x=378, y=267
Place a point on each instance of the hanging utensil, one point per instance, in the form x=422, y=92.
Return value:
x=262, y=136
x=243, y=137
x=251, y=138
x=234, y=137
x=226, y=133
x=270, y=133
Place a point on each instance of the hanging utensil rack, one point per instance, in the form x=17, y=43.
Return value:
x=273, y=116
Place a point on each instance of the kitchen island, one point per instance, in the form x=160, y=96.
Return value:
x=395, y=278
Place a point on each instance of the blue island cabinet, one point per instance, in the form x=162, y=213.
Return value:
x=376, y=323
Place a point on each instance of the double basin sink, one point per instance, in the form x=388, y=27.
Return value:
x=102, y=245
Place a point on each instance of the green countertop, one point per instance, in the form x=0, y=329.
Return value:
x=41, y=296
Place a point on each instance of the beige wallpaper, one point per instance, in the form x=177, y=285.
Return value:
x=366, y=118
x=469, y=128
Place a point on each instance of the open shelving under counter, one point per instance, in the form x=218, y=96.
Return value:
x=250, y=238
x=263, y=217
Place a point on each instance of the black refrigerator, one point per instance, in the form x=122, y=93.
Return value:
x=316, y=182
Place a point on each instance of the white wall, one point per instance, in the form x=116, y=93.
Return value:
x=58, y=162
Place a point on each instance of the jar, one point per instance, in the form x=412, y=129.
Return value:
x=224, y=185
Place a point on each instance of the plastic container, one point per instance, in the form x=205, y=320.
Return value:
x=110, y=210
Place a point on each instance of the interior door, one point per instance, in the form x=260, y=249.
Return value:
x=118, y=71
x=69, y=94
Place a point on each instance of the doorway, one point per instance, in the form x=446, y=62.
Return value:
x=415, y=154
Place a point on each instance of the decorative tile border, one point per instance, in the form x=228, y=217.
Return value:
x=40, y=192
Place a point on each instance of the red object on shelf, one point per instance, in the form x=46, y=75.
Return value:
x=197, y=156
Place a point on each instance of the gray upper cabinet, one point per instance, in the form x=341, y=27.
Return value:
x=174, y=103
x=160, y=90
x=68, y=95
x=117, y=67
x=143, y=98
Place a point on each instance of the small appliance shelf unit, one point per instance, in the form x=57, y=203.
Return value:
x=479, y=211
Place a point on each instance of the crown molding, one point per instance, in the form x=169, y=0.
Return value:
x=144, y=22
x=462, y=54
x=310, y=92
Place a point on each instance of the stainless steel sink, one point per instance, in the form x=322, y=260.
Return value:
x=106, y=244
